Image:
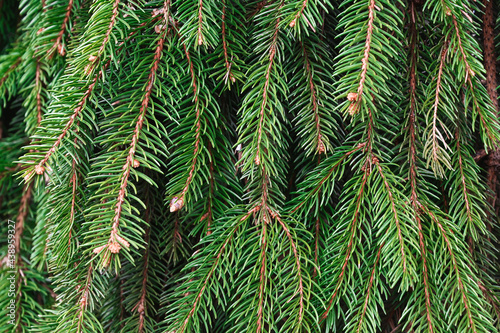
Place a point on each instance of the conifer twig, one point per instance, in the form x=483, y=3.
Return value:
x=272, y=54
x=58, y=45
x=10, y=70
x=413, y=162
x=364, y=61
x=115, y=240
x=370, y=283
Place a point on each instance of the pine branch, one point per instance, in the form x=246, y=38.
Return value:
x=478, y=320
x=306, y=13
x=230, y=53
x=199, y=283
x=38, y=159
x=58, y=44
x=198, y=22
x=370, y=296
x=122, y=157
x=415, y=198
x=348, y=238
x=55, y=26
x=248, y=166
x=438, y=154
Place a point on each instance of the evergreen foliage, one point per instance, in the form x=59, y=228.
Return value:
x=249, y=166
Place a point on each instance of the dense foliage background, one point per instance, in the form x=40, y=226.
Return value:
x=249, y=166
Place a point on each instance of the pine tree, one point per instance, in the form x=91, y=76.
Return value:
x=249, y=166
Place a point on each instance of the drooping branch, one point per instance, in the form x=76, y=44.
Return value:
x=327, y=176
x=10, y=70
x=299, y=13
x=209, y=214
x=83, y=300
x=461, y=286
x=115, y=240
x=356, y=98
x=320, y=146
x=412, y=123
x=465, y=191
x=200, y=22
x=21, y=218
x=38, y=85
x=228, y=75
x=112, y=22
x=74, y=185
x=272, y=54
x=469, y=72
x=368, y=291
x=208, y=276
x=297, y=262
x=435, y=144
x=316, y=247
x=263, y=278
x=395, y=213
x=347, y=256
x=413, y=105
x=142, y=304
x=178, y=202
x=58, y=44
x=40, y=167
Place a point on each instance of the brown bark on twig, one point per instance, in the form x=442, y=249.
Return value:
x=493, y=161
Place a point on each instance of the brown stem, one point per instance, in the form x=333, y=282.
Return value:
x=299, y=13
x=469, y=71
x=110, y=28
x=396, y=217
x=38, y=90
x=489, y=52
x=19, y=228
x=368, y=292
x=141, y=305
x=209, y=214
x=58, y=45
x=181, y=198
x=11, y=68
x=21, y=218
x=263, y=250
x=130, y=161
x=349, y=245
x=435, y=144
x=73, y=199
x=272, y=54
x=316, y=249
x=40, y=166
x=299, y=271
x=83, y=300
x=355, y=219
x=320, y=145
x=491, y=85
x=413, y=161
x=366, y=55
x=224, y=44
x=461, y=286
x=200, y=22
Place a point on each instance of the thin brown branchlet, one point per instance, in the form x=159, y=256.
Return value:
x=357, y=97
x=178, y=202
x=59, y=44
